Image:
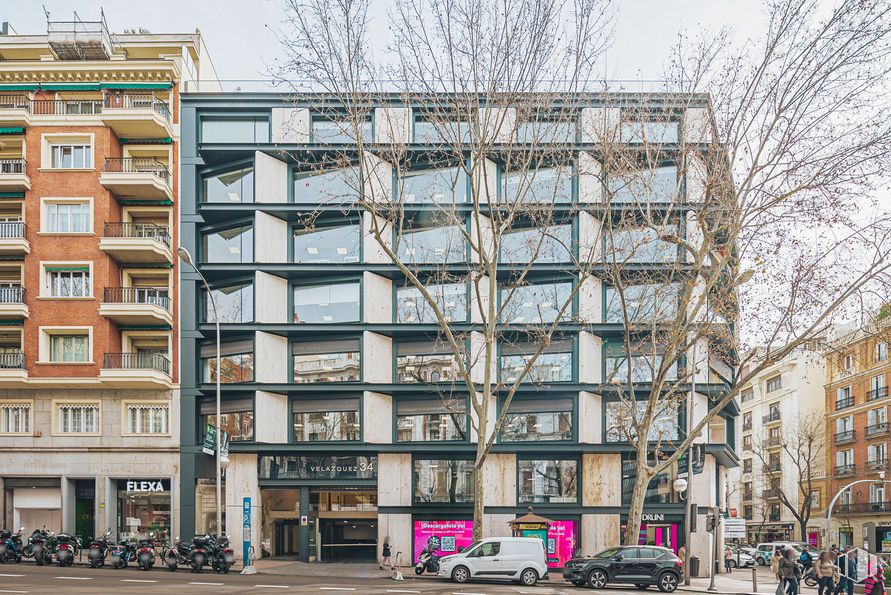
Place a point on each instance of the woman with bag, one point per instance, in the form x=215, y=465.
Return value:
x=825, y=571
x=789, y=572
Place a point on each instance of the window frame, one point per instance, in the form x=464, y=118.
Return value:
x=47, y=201
x=440, y=504
x=45, y=343
x=59, y=404
x=128, y=405
x=314, y=282
x=75, y=266
x=6, y=405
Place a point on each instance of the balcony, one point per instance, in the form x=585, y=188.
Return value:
x=15, y=111
x=772, y=442
x=747, y=496
x=747, y=427
x=66, y=107
x=877, y=429
x=14, y=176
x=137, y=116
x=770, y=493
x=844, y=403
x=137, y=177
x=876, y=465
x=772, y=417
x=12, y=366
x=844, y=470
x=137, y=305
x=774, y=468
x=844, y=437
x=136, y=369
x=137, y=243
x=12, y=239
x=877, y=393
x=12, y=302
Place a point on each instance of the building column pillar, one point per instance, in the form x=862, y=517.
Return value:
x=303, y=530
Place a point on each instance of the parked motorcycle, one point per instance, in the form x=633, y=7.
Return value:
x=199, y=552
x=428, y=561
x=122, y=553
x=145, y=552
x=99, y=551
x=810, y=577
x=11, y=546
x=37, y=546
x=65, y=548
x=178, y=555
x=222, y=557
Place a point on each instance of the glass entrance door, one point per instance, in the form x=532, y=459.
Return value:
x=287, y=541
x=348, y=539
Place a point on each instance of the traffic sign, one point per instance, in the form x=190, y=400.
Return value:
x=734, y=528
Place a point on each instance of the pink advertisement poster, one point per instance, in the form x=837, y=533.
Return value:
x=444, y=537
x=562, y=537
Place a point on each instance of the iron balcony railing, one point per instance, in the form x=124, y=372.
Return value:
x=877, y=393
x=138, y=230
x=12, y=360
x=136, y=360
x=15, y=102
x=128, y=101
x=137, y=165
x=772, y=416
x=12, y=294
x=66, y=107
x=13, y=166
x=12, y=230
x=774, y=468
x=772, y=442
x=844, y=403
x=770, y=493
x=846, y=436
x=843, y=470
x=138, y=295
x=877, y=464
x=747, y=496
x=877, y=429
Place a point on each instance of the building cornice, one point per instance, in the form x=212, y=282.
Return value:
x=89, y=71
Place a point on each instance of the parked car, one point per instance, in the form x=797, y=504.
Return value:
x=519, y=559
x=741, y=558
x=641, y=566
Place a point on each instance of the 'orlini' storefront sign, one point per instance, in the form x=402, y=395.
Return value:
x=325, y=467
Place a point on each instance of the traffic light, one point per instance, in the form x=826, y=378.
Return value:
x=710, y=523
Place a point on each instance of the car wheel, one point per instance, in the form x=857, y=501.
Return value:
x=529, y=577
x=641, y=586
x=761, y=561
x=731, y=563
x=668, y=582
x=597, y=579
x=460, y=574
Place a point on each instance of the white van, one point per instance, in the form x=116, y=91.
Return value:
x=519, y=559
x=766, y=551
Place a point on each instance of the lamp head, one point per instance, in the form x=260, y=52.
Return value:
x=680, y=485
x=185, y=256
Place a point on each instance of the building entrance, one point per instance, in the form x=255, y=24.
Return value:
x=287, y=537
x=348, y=539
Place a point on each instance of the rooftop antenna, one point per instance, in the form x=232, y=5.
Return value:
x=46, y=12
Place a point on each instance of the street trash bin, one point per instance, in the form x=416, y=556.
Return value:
x=694, y=566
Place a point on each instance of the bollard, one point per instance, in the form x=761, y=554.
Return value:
x=754, y=580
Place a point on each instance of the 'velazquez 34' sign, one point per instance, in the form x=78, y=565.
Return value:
x=295, y=467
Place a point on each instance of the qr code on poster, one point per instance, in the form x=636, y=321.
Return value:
x=448, y=543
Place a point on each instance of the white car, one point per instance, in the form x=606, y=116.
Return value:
x=518, y=559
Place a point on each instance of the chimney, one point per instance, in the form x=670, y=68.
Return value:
x=6, y=29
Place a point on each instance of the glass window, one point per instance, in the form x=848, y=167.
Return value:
x=15, y=418
x=327, y=244
x=538, y=185
x=235, y=244
x=640, y=245
x=552, y=481
x=235, y=303
x=649, y=302
x=326, y=186
x=72, y=156
x=537, y=132
x=658, y=185
x=78, y=419
x=236, y=362
x=549, y=244
x=533, y=421
x=326, y=421
x=441, y=186
x=233, y=186
x=431, y=421
x=645, y=363
x=660, y=489
x=327, y=361
x=236, y=418
x=535, y=304
x=326, y=303
x=147, y=419
x=443, y=480
x=412, y=307
x=68, y=283
x=425, y=362
x=241, y=130
x=432, y=244
x=341, y=130
x=552, y=365
x=74, y=217
x=649, y=132
x=775, y=383
x=620, y=416
x=881, y=351
x=441, y=131
x=69, y=348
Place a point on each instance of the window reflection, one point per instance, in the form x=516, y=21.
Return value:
x=621, y=415
x=341, y=130
x=432, y=244
x=541, y=185
x=326, y=421
x=646, y=360
x=234, y=186
x=425, y=362
x=412, y=307
x=235, y=303
x=327, y=244
x=549, y=244
x=327, y=361
x=235, y=244
x=641, y=245
x=649, y=132
x=538, y=132
x=658, y=185
x=236, y=362
x=441, y=185
x=326, y=303
x=237, y=418
x=529, y=421
x=326, y=186
x=552, y=481
x=532, y=304
x=650, y=302
x=430, y=421
x=441, y=131
x=553, y=365
x=241, y=130
x=443, y=480
x=660, y=489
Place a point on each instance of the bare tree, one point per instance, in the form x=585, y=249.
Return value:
x=802, y=444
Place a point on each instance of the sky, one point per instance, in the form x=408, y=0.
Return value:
x=240, y=34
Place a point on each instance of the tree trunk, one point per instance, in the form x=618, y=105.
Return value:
x=478, y=496
x=803, y=526
x=635, y=511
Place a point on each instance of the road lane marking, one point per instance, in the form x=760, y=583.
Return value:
x=207, y=584
x=136, y=580
x=272, y=586
x=466, y=593
x=12, y=575
x=401, y=591
x=7, y=591
x=73, y=578
x=337, y=588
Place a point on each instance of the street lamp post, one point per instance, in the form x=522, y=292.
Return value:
x=187, y=258
x=881, y=479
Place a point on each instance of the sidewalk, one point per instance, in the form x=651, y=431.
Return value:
x=730, y=586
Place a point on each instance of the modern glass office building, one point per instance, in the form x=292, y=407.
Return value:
x=332, y=374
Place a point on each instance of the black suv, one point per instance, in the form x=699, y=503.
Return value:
x=641, y=566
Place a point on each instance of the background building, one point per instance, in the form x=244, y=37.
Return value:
x=338, y=437
x=858, y=373
x=89, y=149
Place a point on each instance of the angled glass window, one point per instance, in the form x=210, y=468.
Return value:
x=535, y=304
x=537, y=420
x=337, y=302
x=236, y=418
x=332, y=420
x=427, y=361
x=236, y=362
x=327, y=244
x=235, y=303
x=327, y=361
x=443, y=480
x=411, y=307
x=658, y=185
x=438, y=130
x=331, y=186
x=441, y=186
x=341, y=130
x=642, y=244
x=432, y=244
x=538, y=185
x=235, y=244
x=546, y=132
x=553, y=365
x=621, y=415
x=240, y=130
x=550, y=480
x=648, y=302
x=660, y=490
x=537, y=244
x=234, y=186
x=431, y=420
x=649, y=132
x=645, y=362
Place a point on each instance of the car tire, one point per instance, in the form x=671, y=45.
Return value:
x=597, y=579
x=529, y=577
x=642, y=586
x=761, y=561
x=668, y=582
x=460, y=574
x=731, y=563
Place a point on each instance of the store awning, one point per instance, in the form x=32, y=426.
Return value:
x=12, y=130
x=19, y=87
x=68, y=268
x=146, y=141
x=12, y=195
x=144, y=327
x=145, y=86
x=69, y=86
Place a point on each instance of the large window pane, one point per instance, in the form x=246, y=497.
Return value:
x=441, y=131
x=654, y=185
x=232, y=186
x=552, y=481
x=649, y=132
x=242, y=130
x=235, y=303
x=425, y=362
x=326, y=426
x=327, y=303
x=431, y=420
x=531, y=304
x=235, y=244
x=340, y=130
x=640, y=245
x=541, y=185
x=443, y=480
x=237, y=367
x=412, y=307
x=443, y=185
x=538, y=132
x=432, y=245
x=660, y=489
x=533, y=421
x=327, y=361
x=620, y=416
x=553, y=365
x=537, y=244
x=326, y=186
x=238, y=424
x=335, y=244
x=645, y=363
x=651, y=302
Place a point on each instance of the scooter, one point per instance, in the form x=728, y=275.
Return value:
x=37, y=546
x=99, y=551
x=145, y=552
x=11, y=546
x=65, y=549
x=177, y=555
x=199, y=552
x=122, y=553
x=428, y=561
x=222, y=557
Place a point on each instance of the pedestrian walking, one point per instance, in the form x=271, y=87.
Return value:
x=789, y=571
x=386, y=561
x=728, y=559
x=875, y=583
x=775, y=563
x=825, y=570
